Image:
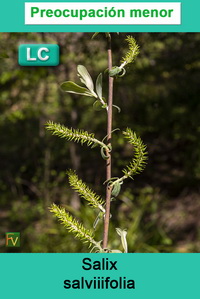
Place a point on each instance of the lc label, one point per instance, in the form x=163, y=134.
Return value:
x=38, y=55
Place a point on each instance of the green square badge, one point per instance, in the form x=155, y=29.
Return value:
x=12, y=239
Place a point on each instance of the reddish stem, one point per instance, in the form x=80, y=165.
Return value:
x=109, y=136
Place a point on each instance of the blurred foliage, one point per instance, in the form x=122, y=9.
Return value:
x=159, y=99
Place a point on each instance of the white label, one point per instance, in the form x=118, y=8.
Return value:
x=98, y=13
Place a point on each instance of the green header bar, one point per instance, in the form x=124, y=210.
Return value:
x=12, y=19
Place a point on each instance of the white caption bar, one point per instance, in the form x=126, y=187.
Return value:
x=107, y=13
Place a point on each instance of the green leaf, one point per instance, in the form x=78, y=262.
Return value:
x=108, y=34
x=97, y=106
x=115, y=70
x=116, y=189
x=122, y=234
x=110, y=180
x=117, y=129
x=94, y=35
x=94, y=145
x=99, y=86
x=72, y=87
x=104, y=106
x=103, y=154
x=123, y=72
x=86, y=79
x=98, y=247
x=118, y=108
x=98, y=218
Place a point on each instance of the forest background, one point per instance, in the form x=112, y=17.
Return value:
x=160, y=100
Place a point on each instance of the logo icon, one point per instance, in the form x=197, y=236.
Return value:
x=38, y=55
x=12, y=239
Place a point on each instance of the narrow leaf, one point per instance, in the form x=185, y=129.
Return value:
x=72, y=87
x=99, y=86
x=85, y=78
x=118, y=108
x=114, y=71
x=122, y=234
x=103, y=154
x=94, y=35
x=116, y=189
x=108, y=34
x=98, y=218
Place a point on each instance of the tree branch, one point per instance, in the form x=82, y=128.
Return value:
x=109, y=136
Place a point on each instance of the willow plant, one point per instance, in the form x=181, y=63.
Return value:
x=113, y=184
